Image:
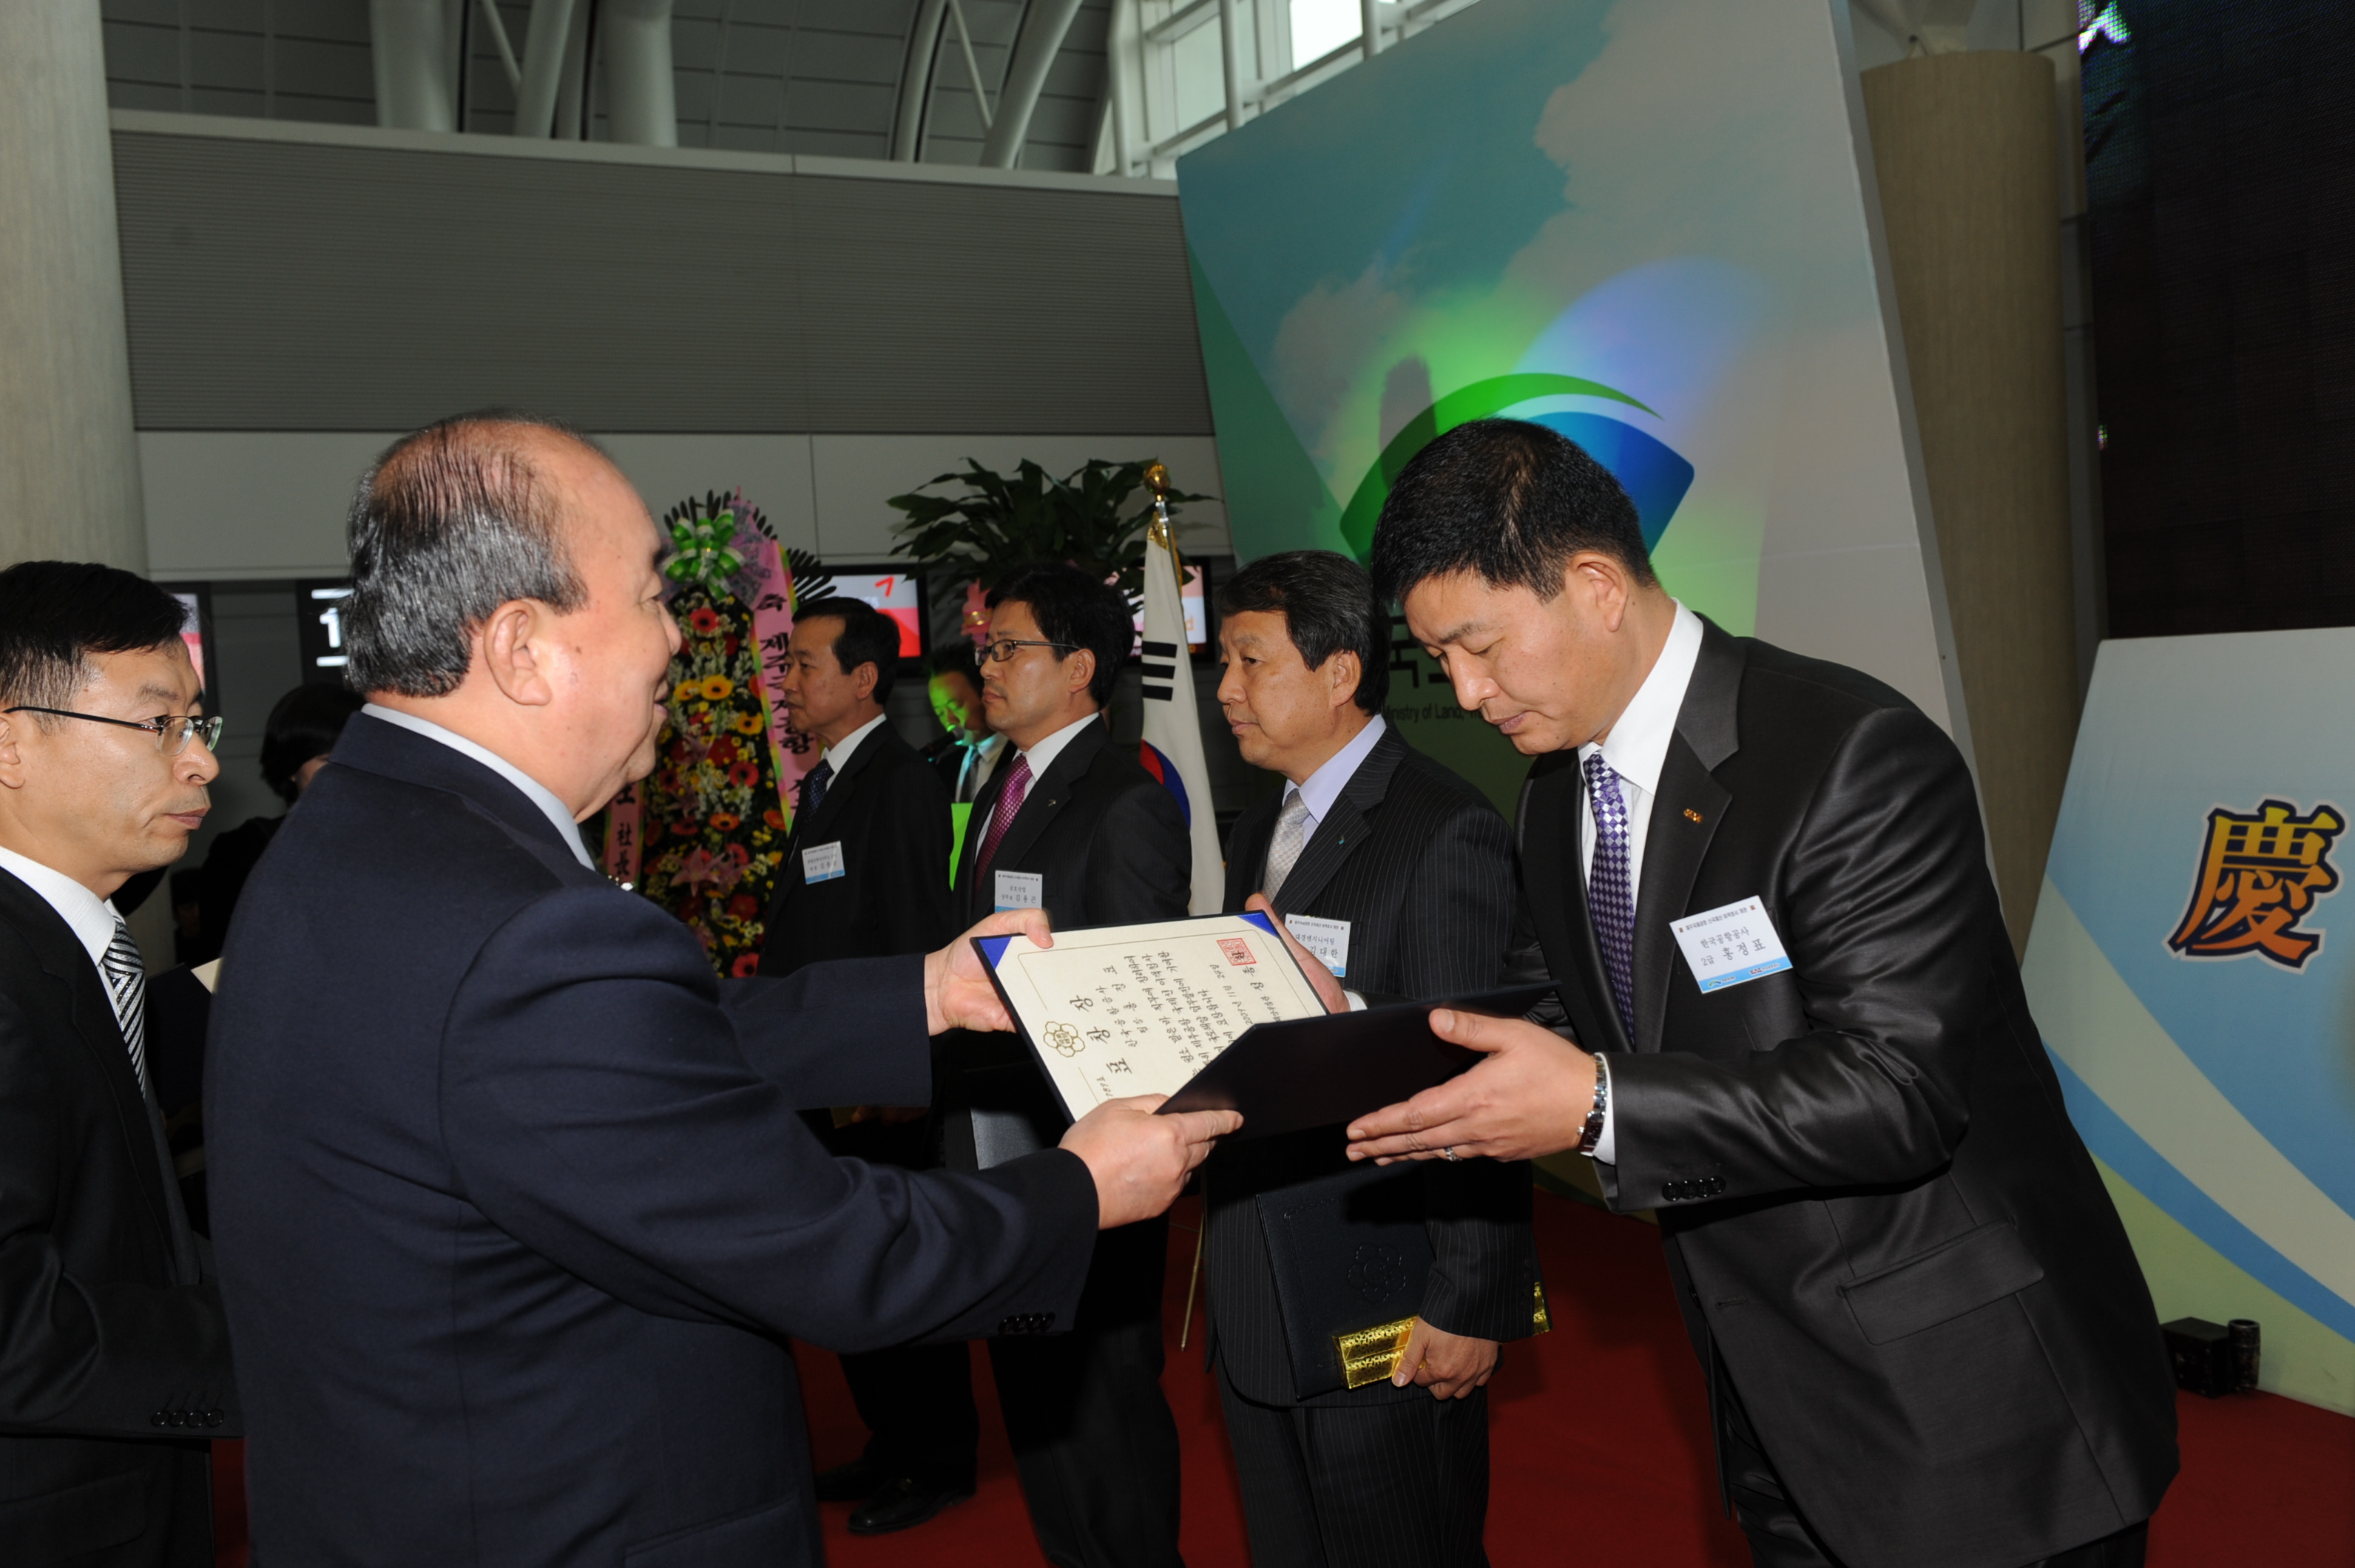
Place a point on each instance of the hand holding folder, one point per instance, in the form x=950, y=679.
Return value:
x=1219, y=1012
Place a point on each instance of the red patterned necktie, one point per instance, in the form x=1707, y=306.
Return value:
x=1010, y=804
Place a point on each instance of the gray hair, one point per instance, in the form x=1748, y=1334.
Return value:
x=450, y=524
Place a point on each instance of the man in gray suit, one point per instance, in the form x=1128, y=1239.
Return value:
x=1400, y=876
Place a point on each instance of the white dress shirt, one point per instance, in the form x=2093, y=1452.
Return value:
x=538, y=793
x=1042, y=756
x=839, y=755
x=1636, y=748
x=91, y=918
x=1320, y=790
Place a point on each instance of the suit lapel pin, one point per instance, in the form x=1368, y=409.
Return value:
x=1691, y=814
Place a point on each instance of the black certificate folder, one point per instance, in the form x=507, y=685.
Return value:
x=1214, y=1013
x=1320, y=1071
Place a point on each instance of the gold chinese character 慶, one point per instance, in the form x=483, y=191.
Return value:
x=2259, y=874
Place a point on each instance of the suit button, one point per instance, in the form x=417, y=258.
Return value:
x=158, y=1419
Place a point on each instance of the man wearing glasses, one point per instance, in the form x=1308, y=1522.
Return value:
x=1072, y=824
x=114, y=1361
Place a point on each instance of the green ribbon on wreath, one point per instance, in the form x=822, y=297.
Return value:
x=705, y=553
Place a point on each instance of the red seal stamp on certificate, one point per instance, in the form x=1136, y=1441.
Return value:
x=1237, y=952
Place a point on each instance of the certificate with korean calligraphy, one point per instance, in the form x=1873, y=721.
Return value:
x=1141, y=1010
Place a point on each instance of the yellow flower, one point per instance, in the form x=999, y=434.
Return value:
x=747, y=723
x=716, y=687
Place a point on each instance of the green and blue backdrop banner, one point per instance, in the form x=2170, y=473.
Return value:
x=2192, y=968
x=1642, y=222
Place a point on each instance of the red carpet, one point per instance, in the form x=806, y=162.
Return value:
x=1600, y=1445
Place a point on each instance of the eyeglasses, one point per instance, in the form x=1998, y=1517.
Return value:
x=173, y=732
x=1003, y=649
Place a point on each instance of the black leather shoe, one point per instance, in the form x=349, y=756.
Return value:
x=903, y=1503
x=851, y=1482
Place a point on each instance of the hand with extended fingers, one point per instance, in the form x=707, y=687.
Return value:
x=1328, y=989
x=1530, y=1096
x=957, y=992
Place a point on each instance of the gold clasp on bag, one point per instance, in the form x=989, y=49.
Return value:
x=1372, y=1355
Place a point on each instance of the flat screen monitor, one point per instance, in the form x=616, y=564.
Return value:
x=897, y=592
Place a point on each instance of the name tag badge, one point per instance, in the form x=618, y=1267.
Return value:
x=823, y=862
x=1021, y=889
x=1727, y=946
x=1327, y=939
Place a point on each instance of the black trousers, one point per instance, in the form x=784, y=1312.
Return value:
x=1402, y=1484
x=1778, y=1532
x=916, y=1400
x=1092, y=1437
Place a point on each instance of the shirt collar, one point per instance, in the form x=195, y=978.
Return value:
x=1637, y=746
x=1042, y=756
x=839, y=755
x=90, y=918
x=1322, y=789
x=538, y=793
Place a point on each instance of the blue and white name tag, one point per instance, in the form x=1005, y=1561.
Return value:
x=1021, y=889
x=1727, y=946
x=823, y=862
x=1327, y=940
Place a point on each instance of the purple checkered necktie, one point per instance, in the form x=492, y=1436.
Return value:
x=1610, y=899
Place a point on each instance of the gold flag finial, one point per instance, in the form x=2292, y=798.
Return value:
x=1158, y=531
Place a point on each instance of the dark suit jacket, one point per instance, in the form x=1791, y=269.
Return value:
x=1876, y=1211
x=888, y=811
x=515, y=1209
x=947, y=758
x=1111, y=844
x=1421, y=865
x=114, y=1358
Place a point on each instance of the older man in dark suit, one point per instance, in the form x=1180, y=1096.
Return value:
x=1400, y=876
x=1071, y=823
x=1928, y=1341
x=515, y=1206
x=114, y=1357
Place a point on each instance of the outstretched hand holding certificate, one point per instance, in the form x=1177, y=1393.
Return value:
x=1140, y=1009
x=1217, y=1013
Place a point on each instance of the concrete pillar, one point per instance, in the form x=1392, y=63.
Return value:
x=634, y=51
x=1966, y=147
x=69, y=459
x=413, y=50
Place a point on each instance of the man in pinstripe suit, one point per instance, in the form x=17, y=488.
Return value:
x=1401, y=876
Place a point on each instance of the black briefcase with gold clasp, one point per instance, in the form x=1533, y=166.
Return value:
x=1352, y=1258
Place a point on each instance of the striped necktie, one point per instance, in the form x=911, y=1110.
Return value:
x=126, y=986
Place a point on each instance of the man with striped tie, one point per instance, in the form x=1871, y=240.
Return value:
x=114, y=1362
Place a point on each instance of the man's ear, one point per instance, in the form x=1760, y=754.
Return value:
x=864, y=679
x=12, y=750
x=1083, y=663
x=512, y=654
x=1604, y=581
x=1345, y=670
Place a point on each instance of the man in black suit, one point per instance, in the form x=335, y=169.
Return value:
x=1400, y=876
x=1074, y=825
x=514, y=1206
x=115, y=1356
x=967, y=755
x=1928, y=1341
x=866, y=875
